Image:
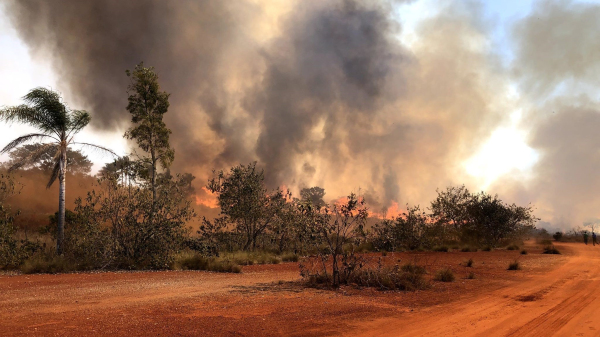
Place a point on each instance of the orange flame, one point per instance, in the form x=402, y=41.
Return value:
x=209, y=200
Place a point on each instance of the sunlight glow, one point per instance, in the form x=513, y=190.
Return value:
x=504, y=152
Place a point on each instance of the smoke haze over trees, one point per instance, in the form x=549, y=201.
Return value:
x=325, y=93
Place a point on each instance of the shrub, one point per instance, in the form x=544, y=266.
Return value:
x=47, y=264
x=290, y=257
x=550, y=249
x=487, y=249
x=444, y=275
x=512, y=247
x=413, y=268
x=523, y=252
x=440, y=249
x=469, y=263
x=514, y=265
x=258, y=257
x=471, y=276
x=468, y=249
x=557, y=236
x=394, y=278
x=195, y=261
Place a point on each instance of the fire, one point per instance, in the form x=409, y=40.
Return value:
x=391, y=212
x=209, y=199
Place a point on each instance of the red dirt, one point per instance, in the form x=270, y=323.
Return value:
x=552, y=294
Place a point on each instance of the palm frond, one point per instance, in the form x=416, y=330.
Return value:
x=50, y=103
x=29, y=115
x=23, y=139
x=79, y=119
x=95, y=147
x=55, y=173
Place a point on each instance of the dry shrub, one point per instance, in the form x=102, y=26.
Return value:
x=195, y=261
x=471, y=276
x=444, y=275
x=47, y=264
x=523, y=252
x=469, y=263
x=550, y=249
x=290, y=257
x=514, y=265
x=512, y=247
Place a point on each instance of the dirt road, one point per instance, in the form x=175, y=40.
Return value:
x=561, y=302
x=553, y=294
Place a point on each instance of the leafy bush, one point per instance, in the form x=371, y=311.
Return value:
x=514, y=265
x=469, y=263
x=512, y=247
x=550, y=249
x=444, y=275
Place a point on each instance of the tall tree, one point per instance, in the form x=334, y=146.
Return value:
x=314, y=196
x=57, y=125
x=147, y=105
x=77, y=162
x=245, y=201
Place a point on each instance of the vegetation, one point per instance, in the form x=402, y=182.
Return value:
x=57, y=125
x=135, y=216
x=550, y=249
x=557, y=236
x=514, y=265
x=444, y=275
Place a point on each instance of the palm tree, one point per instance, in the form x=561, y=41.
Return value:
x=57, y=125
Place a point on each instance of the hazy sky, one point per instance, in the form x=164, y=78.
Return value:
x=511, y=151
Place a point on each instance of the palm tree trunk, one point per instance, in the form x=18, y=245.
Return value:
x=60, y=237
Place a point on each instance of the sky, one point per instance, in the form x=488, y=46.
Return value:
x=507, y=98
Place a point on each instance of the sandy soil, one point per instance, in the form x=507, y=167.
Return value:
x=552, y=294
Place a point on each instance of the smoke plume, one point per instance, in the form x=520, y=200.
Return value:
x=318, y=92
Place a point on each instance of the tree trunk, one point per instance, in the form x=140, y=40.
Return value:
x=60, y=237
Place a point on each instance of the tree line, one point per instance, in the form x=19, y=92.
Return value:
x=136, y=215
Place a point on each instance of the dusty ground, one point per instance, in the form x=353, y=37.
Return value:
x=553, y=294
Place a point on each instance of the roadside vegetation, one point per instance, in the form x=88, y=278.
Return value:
x=136, y=215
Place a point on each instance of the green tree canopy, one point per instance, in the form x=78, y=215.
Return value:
x=77, y=162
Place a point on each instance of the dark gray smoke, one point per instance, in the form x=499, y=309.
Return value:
x=319, y=92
